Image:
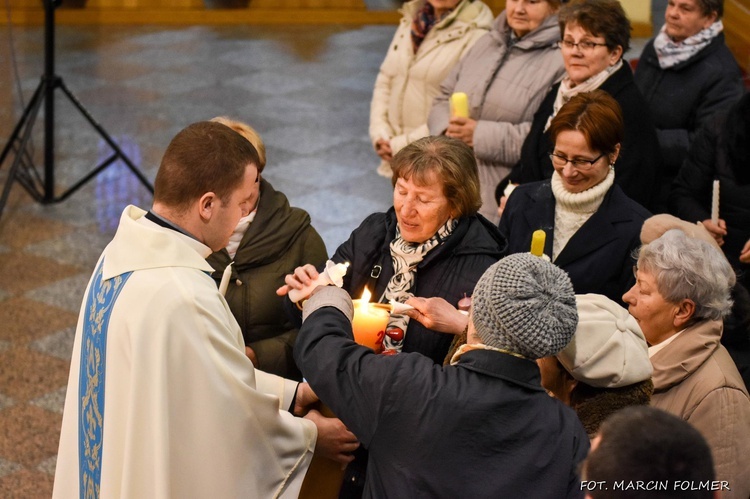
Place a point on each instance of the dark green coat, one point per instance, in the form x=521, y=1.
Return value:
x=279, y=239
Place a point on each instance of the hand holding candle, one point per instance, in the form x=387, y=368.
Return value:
x=459, y=105
x=333, y=274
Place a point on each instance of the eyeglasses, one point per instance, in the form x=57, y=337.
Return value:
x=584, y=45
x=579, y=164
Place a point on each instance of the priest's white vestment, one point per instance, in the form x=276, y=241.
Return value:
x=184, y=414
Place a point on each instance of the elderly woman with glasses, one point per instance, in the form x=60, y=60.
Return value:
x=591, y=226
x=681, y=295
x=595, y=35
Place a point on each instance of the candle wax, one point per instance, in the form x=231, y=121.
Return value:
x=370, y=321
x=459, y=105
x=538, y=239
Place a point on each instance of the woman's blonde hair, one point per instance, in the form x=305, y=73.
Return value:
x=249, y=133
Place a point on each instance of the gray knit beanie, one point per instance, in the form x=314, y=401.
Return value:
x=526, y=305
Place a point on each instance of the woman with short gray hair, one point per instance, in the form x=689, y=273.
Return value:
x=686, y=268
x=681, y=294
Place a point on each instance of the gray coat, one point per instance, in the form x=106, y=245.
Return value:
x=505, y=81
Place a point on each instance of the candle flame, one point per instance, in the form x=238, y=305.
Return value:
x=366, y=295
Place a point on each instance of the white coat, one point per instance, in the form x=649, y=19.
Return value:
x=185, y=413
x=407, y=82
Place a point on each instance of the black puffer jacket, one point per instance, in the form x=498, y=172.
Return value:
x=448, y=271
x=682, y=98
x=279, y=239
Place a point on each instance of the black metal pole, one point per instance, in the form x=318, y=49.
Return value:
x=49, y=100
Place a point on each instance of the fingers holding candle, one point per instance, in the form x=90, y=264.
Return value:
x=717, y=230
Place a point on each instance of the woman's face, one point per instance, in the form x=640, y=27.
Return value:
x=654, y=314
x=685, y=18
x=525, y=16
x=582, y=64
x=571, y=145
x=443, y=6
x=421, y=209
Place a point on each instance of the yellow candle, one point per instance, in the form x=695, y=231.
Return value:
x=537, y=242
x=459, y=105
x=370, y=321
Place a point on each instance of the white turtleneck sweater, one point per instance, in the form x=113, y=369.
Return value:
x=573, y=209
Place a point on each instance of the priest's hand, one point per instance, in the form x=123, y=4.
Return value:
x=334, y=440
x=437, y=314
x=304, y=400
x=250, y=353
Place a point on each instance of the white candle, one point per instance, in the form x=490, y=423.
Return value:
x=224, y=283
x=715, y=203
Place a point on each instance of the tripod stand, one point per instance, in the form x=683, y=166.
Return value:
x=21, y=170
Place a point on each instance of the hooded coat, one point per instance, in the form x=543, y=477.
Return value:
x=279, y=239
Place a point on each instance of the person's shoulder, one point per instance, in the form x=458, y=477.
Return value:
x=624, y=204
x=481, y=233
x=533, y=189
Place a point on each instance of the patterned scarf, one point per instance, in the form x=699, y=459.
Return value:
x=423, y=22
x=671, y=53
x=567, y=91
x=406, y=256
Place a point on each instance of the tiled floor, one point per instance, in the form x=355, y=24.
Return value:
x=306, y=90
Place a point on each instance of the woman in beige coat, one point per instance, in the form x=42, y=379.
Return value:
x=420, y=57
x=680, y=296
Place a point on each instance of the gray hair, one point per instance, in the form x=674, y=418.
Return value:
x=688, y=268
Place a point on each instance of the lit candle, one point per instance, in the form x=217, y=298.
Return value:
x=538, y=239
x=459, y=105
x=715, y=203
x=370, y=321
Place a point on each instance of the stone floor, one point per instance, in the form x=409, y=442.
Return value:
x=306, y=90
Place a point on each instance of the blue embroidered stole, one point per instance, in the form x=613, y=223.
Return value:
x=101, y=298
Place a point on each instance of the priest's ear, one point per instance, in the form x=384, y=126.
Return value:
x=206, y=205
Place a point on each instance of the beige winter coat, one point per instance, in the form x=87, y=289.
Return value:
x=696, y=379
x=506, y=79
x=408, y=82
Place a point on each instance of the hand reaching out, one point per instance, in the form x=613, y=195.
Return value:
x=305, y=398
x=335, y=441
x=437, y=314
x=301, y=277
